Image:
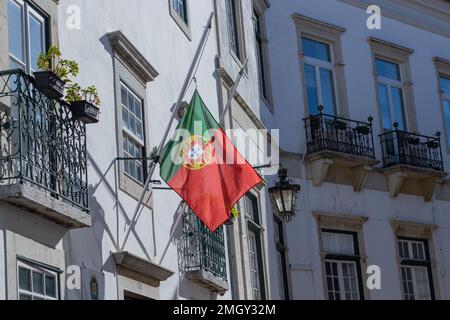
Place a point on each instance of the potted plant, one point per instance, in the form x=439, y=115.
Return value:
x=340, y=125
x=414, y=140
x=83, y=102
x=233, y=216
x=362, y=129
x=432, y=144
x=54, y=73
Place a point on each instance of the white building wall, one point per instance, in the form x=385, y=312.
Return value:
x=376, y=205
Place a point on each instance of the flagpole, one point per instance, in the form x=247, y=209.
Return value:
x=231, y=94
x=187, y=81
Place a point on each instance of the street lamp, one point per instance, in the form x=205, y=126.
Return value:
x=284, y=196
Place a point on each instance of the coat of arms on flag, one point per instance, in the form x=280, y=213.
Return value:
x=202, y=165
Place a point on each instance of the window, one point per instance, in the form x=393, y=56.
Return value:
x=393, y=85
x=261, y=54
x=281, y=257
x=133, y=133
x=342, y=265
x=319, y=76
x=180, y=6
x=36, y=282
x=27, y=30
x=445, y=92
x=415, y=266
x=179, y=11
x=255, y=254
x=322, y=66
x=235, y=33
x=390, y=93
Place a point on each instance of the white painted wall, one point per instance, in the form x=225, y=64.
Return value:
x=289, y=108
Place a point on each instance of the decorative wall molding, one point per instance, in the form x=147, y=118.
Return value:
x=131, y=56
x=430, y=15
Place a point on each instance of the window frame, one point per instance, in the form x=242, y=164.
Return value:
x=34, y=267
x=347, y=225
x=239, y=34
x=183, y=23
x=318, y=65
x=28, y=9
x=426, y=262
x=443, y=70
x=330, y=34
x=142, y=142
x=262, y=55
x=416, y=232
x=281, y=248
x=255, y=228
x=342, y=258
x=390, y=84
x=391, y=52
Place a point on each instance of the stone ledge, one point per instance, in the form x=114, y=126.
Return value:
x=208, y=280
x=140, y=269
x=399, y=175
x=39, y=201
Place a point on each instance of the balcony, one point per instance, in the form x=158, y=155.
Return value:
x=411, y=161
x=202, y=254
x=42, y=153
x=334, y=141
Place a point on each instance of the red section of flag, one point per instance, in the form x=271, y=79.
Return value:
x=212, y=191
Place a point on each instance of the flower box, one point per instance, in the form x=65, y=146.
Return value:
x=85, y=111
x=49, y=84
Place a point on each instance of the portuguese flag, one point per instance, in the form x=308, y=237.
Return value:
x=202, y=165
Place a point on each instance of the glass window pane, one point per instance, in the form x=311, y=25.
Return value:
x=447, y=120
x=24, y=279
x=384, y=106
x=130, y=103
x=123, y=95
x=422, y=283
x=125, y=119
x=397, y=101
x=388, y=69
x=15, y=30
x=328, y=98
x=38, y=282
x=338, y=243
x=316, y=49
x=50, y=286
x=311, y=89
x=138, y=109
x=445, y=85
x=36, y=40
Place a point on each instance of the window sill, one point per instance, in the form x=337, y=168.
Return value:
x=134, y=189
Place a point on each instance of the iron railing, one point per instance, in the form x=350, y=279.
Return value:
x=40, y=141
x=202, y=249
x=402, y=147
x=332, y=133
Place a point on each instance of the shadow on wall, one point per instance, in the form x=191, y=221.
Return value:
x=83, y=248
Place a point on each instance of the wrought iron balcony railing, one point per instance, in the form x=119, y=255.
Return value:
x=201, y=249
x=40, y=141
x=406, y=148
x=332, y=133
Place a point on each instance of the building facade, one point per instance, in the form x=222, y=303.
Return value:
x=357, y=109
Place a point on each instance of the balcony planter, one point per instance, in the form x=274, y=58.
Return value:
x=340, y=125
x=414, y=141
x=49, y=84
x=85, y=111
x=365, y=130
x=432, y=144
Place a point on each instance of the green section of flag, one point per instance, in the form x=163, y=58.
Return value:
x=197, y=121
